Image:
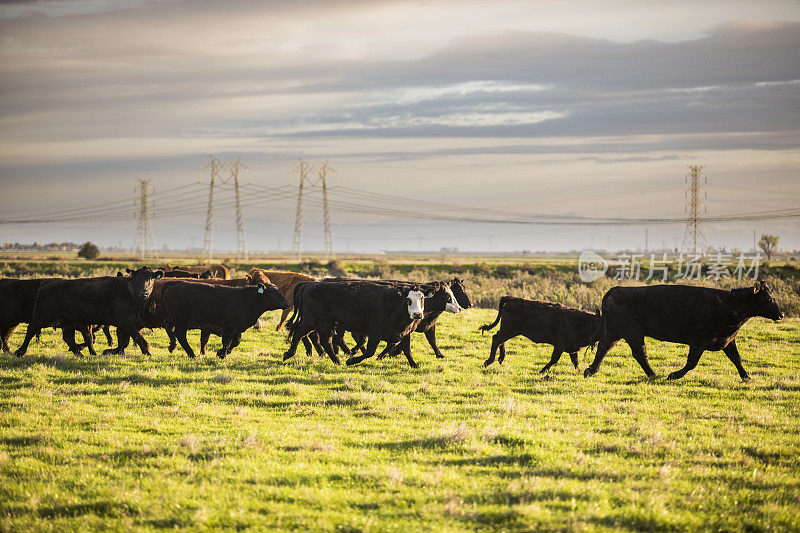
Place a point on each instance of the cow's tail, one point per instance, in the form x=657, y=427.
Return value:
x=297, y=311
x=598, y=333
x=486, y=327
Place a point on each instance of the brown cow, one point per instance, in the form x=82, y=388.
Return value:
x=285, y=281
x=217, y=271
x=565, y=328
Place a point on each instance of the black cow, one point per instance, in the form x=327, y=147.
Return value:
x=116, y=301
x=702, y=317
x=566, y=329
x=382, y=312
x=17, y=299
x=460, y=300
x=225, y=311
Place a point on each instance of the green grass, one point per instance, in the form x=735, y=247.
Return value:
x=162, y=442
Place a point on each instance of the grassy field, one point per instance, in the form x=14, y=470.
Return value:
x=162, y=442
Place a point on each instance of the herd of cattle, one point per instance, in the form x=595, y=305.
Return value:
x=178, y=299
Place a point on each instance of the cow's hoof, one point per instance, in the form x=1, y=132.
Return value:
x=353, y=361
x=589, y=372
x=745, y=379
x=413, y=365
x=170, y=349
x=18, y=353
x=221, y=354
x=439, y=356
x=287, y=356
x=487, y=363
x=653, y=377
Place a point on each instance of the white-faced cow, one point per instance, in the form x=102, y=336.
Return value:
x=382, y=312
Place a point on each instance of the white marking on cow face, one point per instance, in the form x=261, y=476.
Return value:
x=416, y=304
x=452, y=304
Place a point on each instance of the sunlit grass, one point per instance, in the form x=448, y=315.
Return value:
x=163, y=441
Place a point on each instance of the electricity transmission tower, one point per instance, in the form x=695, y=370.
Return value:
x=693, y=237
x=143, y=201
x=226, y=172
x=312, y=175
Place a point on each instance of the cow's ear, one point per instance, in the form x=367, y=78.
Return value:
x=159, y=274
x=128, y=270
x=756, y=288
x=260, y=289
x=429, y=294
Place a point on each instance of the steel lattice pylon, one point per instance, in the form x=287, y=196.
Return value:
x=312, y=175
x=693, y=237
x=143, y=203
x=226, y=171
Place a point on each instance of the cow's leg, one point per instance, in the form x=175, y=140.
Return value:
x=340, y=343
x=88, y=338
x=229, y=340
x=556, y=355
x=405, y=343
x=639, y=352
x=307, y=346
x=299, y=331
x=389, y=350
x=733, y=354
x=173, y=341
x=180, y=334
x=691, y=361
x=325, y=337
x=574, y=357
x=372, y=346
x=204, y=335
x=314, y=338
x=237, y=339
x=140, y=341
x=33, y=330
x=68, y=334
x=284, y=314
x=430, y=334
x=107, y=332
x=603, y=346
x=123, y=340
x=502, y=356
x=498, y=339
x=5, y=334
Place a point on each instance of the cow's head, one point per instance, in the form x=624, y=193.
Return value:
x=207, y=274
x=271, y=296
x=452, y=305
x=457, y=286
x=256, y=277
x=415, y=300
x=760, y=302
x=141, y=282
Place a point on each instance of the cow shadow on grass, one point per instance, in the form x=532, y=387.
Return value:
x=61, y=362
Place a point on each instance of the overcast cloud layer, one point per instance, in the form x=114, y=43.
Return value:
x=548, y=105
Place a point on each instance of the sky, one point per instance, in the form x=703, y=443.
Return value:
x=578, y=108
